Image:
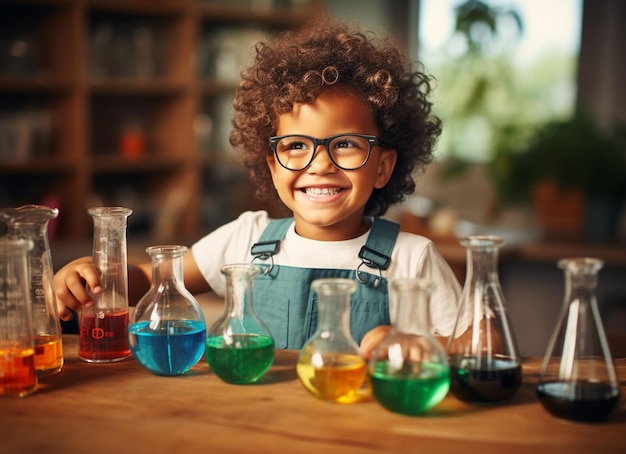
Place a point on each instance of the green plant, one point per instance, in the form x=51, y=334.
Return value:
x=575, y=153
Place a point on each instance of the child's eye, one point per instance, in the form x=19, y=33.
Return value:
x=297, y=146
x=349, y=142
x=293, y=144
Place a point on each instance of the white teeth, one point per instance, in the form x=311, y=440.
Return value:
x=322, y=191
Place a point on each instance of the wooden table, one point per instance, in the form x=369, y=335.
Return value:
x=121, y=407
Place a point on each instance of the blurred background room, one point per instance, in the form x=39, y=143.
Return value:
x=128, y=102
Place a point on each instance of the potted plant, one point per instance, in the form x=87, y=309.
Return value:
x=573, y=171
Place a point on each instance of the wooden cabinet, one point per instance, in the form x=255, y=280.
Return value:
x=128, y=102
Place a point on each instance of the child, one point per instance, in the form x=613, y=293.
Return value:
x=335, y=123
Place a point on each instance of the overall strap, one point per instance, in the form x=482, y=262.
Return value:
x=376, y=253
x=269, y=243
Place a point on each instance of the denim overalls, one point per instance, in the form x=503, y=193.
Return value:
x=285, y=302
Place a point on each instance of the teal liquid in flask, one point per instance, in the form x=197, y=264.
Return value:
x=167, y=330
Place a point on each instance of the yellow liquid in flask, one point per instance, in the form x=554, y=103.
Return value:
x=334, y=377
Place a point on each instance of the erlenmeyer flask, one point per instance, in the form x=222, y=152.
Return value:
x=104, y=326
x=485, y=366
x=167, y=331
x=18, y=377
x=239, y=347
x=330, y=365
x=408, y=368
x=578, y=380
x=31, y=222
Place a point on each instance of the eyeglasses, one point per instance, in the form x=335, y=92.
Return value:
x=346, y=151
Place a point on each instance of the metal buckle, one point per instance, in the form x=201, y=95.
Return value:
x=265, y=250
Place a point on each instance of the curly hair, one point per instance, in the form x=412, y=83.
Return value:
x=297, y=66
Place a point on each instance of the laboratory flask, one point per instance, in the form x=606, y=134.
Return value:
x=485, y=366
x=167, y=331
x=31, y=222
x=409, y=369
x=18, y=375
x=578, y=380
x=104, y=326
x=330, y=365
x=239, y=347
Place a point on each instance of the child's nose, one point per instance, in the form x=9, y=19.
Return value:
x=321, y=160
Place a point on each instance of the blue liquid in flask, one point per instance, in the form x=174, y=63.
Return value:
x=172, y=347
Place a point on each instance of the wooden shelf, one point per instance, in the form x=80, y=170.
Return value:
x=89, y=71
x=38, y=166
x=115, y=164
x=135, y=87
x=35, y=85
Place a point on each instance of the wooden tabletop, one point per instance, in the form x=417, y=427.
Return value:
x=121, y=407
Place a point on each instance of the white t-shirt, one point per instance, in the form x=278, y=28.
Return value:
x=413, y=256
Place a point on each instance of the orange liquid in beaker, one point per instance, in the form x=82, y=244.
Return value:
x=17, y=371
x=48, y=354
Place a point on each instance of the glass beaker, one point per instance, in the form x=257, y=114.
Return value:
x=167, y=331
x=578, y=380
x=330, y=365
x=409, y=369
x=104, y=326
x=18, y=376
x=485, y=366
x=31, y=222
x=239, y=347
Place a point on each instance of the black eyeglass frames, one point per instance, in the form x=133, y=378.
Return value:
x=346, y=151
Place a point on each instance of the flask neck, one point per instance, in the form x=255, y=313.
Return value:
x=482, y=264
x=29, y=229
x=31, y=219
x=413, y=315
x=167, y=269
x=334, y=313
x=109, y=237
x=37, y=232
x=581, y=279
x=580, y=288
x=482, y=257
x=239, y=285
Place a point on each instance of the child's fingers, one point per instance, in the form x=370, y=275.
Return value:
x=371, y=340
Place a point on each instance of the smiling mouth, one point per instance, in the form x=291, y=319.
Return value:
x=321, y=192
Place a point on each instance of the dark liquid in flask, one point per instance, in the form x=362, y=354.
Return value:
x=104, y=337
x=578, y=400
x=492, y=382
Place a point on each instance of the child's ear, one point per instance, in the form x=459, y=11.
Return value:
x=386, y=164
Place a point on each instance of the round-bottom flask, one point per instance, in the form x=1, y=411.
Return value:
x=330, y=365
x=578, y=380
x=167, y=329
x=239, y=347
x=408, y=368
x=485, y=366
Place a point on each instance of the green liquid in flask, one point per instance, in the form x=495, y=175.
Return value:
x=412, y=390
x=240, y=359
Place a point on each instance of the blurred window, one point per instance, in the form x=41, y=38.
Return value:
x=499, y=65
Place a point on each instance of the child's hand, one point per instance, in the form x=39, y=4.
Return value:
x=71, y=283
x=372, y=338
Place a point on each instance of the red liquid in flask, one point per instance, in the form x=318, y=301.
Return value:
x=104, y=336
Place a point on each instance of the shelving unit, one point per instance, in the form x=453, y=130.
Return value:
x=127, y=102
